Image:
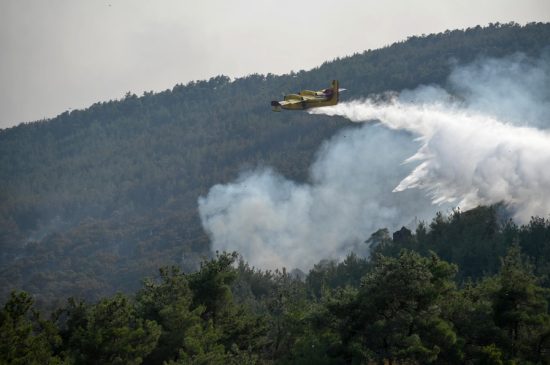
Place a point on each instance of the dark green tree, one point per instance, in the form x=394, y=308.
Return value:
x=211, y=286
x=478, y=337
x=521, y=309
x=396, y=315
x=25, y=338
x=329, y=274
x=185, y=335
x=109, y=332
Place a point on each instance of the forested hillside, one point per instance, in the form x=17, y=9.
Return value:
x=94, y=200
x=397, y=307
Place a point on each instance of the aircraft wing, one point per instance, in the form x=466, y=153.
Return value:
x=289, y=102
x=285, y=102
x=277, y=105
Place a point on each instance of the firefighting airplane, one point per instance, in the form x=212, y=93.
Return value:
x=309, y=99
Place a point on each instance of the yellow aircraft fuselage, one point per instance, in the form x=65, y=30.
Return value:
x=307, y=99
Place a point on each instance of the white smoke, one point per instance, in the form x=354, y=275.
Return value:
x=514, y=89
x=467, y=158
x=475, y=144
x=274, y=222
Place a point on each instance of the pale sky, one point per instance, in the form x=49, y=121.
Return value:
x=57, y=55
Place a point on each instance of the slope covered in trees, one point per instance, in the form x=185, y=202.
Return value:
x=93, y=200
x=398, y=308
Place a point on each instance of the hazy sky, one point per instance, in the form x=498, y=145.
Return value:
x=61, y=54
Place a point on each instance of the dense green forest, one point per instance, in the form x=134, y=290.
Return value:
x=94, y=200
x=407, y=304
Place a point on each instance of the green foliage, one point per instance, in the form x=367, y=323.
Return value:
x=184, y=334
x=287, y=309
x=405, y=309
x=212, y=285
x=521, y=309
x=471, y=312
x=109, y=332
x=94, y=200
x=24, y=337
x=330, y=274
x=534, y=240
x=396, y=313
x=474, y=240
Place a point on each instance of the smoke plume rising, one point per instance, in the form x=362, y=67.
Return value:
x=481, y=140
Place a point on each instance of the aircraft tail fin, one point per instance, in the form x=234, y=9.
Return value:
x=335, y=91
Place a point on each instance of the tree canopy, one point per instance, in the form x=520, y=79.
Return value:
x=406, y=308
